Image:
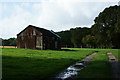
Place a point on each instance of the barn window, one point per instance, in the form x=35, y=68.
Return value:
x=34, y=33
x=22, y=37
x=31, y=36
x=39, y=42
x=25, y=45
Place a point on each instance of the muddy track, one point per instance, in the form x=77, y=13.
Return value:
x=115, y=64
x=89, y=58
x=71, y=72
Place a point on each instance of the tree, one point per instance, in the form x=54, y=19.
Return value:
x=73, y=37
x=89, y=41
x=65, y=38
x=9, y=42
x=107, y=27
x=12, y=41
x=5, y=42
x=77, y=34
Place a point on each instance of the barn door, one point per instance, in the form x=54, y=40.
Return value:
x=39, y=42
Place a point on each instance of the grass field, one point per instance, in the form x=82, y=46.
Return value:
x=98, y=68
x=26, y=64
x=29, y=64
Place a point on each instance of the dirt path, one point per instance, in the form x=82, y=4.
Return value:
x=89, y=58
x=71, y=72
x=115, y=66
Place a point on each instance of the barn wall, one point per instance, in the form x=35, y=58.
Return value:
x=59, y=44
x=51, y=42
x=31, y=38
x=39, y=40
x=26, y=39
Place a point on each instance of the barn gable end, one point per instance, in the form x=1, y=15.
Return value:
x=38, y=38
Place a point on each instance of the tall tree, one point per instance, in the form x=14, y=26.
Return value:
x=77, y=34
x=107, y=27
x=89, y=41
x=65, y=38
x=9, y=42
x=12, y=41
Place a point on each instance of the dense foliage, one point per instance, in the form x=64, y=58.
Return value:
x=105, y=33
x=66, y=38
x=107, y=27
x=9, y=42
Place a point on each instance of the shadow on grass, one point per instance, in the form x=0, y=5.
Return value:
x=26, y=68
x=96, y=51
x=97, y=70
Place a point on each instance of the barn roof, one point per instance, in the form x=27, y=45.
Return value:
x=42, y=30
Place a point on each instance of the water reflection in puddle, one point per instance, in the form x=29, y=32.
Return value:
x=71, y=71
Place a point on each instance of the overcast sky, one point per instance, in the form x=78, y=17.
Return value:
x=56, y=15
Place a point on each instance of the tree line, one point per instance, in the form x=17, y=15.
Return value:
x=104, y=33
x=9, y=42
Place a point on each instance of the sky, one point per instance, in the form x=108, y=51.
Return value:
x=56, y=15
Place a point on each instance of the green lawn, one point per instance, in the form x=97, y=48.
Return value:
x=26, y=64
x=99, y=68
x=116, y=53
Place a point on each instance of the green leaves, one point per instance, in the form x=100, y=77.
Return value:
x=89, y=40
x=107, y=25
x=9, y=42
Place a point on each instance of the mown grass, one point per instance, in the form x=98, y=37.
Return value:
x=116, y=53
x=99, y=67
x=26, y=64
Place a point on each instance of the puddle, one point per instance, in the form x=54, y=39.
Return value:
x=71, y=71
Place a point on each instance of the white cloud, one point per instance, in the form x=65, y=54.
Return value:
x=14, y=23
x=55, y=15
x=55, y=0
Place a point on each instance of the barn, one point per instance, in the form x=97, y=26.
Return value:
x=33, y=37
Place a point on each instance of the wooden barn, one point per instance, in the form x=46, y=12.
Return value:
x=38, y=38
